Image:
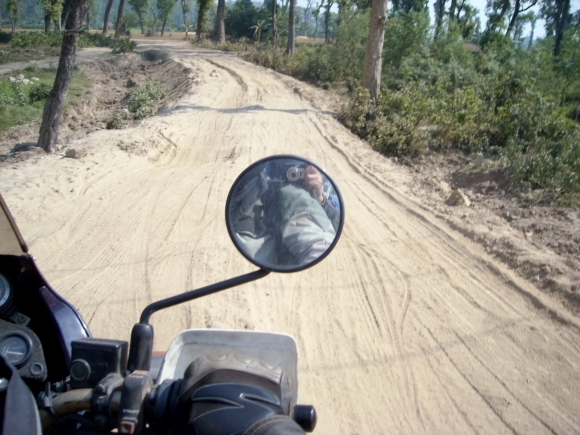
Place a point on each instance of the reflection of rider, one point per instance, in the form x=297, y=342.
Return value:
x=282, y=222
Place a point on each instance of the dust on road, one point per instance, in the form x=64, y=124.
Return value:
x=407, y=327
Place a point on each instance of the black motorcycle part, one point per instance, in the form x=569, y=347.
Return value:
x=7, y=307
x=160, y=403
x=305, y=416
x=18, y=411
x=141, y=347
x=204, y=291
x=25, y=351
x=142, y=333
x=54, y=320
x=102, y=398
x=225, y=402
x=135, y=388
x=93, y=359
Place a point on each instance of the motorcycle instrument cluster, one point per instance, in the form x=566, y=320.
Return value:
x=22, y=347
x=16, y=347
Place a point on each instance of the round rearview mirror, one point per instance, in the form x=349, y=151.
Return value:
x=284, y=213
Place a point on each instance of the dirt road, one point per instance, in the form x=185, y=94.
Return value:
x=407, y=327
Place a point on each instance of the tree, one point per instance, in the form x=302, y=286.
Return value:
x=259, y=29
x=518, y=8
x=329, y=4
x=65, y=10
x=439, y=14
x=371, y=78
x=242, y=18
x=52, y=114
x=307, y=12
x=203, y=6
x=186, y=9
x=119, y=26
x=52, y=11
x=533, y=23
x=556, y=14
x=91, y=12
x=13, y=9
x=107, y=14
x=561, y=23
x=272, y=6
x=151, y=22
x=140, y=7
x=220, y=31
x=165, y=7
x=291, y=29
x=316, y=13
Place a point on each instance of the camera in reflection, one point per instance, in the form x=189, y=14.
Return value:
x=295, y=173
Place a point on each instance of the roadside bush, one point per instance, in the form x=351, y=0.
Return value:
x=20, y=94
x=143, y=99
x=5, y=37
x=122, y=45
x=95, y=40
x=54, y=39
x=39, y=92
x=25, y=39
x=388, y=126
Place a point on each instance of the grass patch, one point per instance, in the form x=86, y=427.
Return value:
x=22, y=103
x=9, y=54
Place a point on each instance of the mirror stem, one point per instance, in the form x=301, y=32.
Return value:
x=142, y=334
x=204, y=291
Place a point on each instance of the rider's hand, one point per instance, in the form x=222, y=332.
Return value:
x=313, y=182
x=231, y=396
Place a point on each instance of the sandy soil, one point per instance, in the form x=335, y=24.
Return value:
x=407, y=327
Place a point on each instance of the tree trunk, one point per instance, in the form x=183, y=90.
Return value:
x=561, y=24
x=52, y=115
x=141, y=24
x=291, y=29
x=439, y=14
x=220, y=34
x=47, y=23
x=274, y=25
x=371, y=78
x=163, y=26
x=327, y=21
x=65, y=11
x=200, y=19
x=184, y=10
x=119, y=27
x=107, y=13
x=452, y=9
x=514, y=18
x=316, y=28
x=531, y=41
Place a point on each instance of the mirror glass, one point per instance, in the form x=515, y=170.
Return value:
x=284, y=213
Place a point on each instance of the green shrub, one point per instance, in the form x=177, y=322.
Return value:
x=39, y=92
x=142, y=100
x=123, y=45
x=20, y=94
x=117, y=122
x=95, y=40
x=5, y=37
x=25, y=39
